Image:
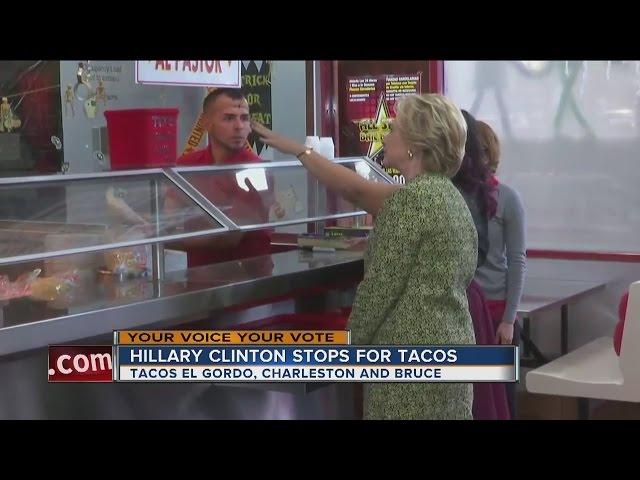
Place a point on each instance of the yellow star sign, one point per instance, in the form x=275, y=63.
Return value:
x=379, y=127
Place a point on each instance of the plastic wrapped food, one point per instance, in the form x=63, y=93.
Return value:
x=54, y=287
x=20, y=288
x=127, y=261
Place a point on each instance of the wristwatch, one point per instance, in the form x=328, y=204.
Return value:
x=306, y=152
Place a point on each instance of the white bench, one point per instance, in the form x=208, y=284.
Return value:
x=594, y=370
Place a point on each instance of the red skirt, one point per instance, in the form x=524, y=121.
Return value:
x=489, y=399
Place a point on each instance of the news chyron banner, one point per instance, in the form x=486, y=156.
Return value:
x=275, y=356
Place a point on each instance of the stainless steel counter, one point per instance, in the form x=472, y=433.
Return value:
x=102, y=304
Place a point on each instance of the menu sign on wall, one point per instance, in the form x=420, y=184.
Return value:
x=371, y=104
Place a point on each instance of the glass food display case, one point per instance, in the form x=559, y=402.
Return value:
x=84, y=255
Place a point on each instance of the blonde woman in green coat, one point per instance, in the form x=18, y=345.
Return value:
x=421, y=255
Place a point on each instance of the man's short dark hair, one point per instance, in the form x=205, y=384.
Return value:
x=233, y=93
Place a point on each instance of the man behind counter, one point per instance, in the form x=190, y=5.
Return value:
x=226, y=120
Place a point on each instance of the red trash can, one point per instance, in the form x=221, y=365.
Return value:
x=142, y=138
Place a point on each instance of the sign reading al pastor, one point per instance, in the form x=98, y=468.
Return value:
x=190, y=73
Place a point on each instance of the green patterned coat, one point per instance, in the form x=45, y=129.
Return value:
x=420, y=259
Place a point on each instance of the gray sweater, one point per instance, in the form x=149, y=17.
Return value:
x=502, y=274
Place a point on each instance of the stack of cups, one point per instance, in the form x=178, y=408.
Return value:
x=326, y=148
x=313, y=143
x=323, y=145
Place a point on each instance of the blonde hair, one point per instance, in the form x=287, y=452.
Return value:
x=434, y=126
x=490, y=145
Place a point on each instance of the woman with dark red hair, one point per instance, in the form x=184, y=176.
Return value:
x=473, y=180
